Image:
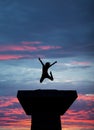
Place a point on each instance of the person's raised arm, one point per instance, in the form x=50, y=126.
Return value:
x=40, y=61
x=53, y=63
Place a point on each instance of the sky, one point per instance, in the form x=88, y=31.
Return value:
x=54, y=30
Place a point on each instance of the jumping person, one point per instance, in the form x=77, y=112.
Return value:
x=45, y=68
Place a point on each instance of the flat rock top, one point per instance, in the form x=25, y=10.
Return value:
x=57, y=101
x=46, y=93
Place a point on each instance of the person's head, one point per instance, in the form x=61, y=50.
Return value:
x=47, y=64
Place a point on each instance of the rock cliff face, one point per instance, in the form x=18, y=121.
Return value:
x=46, y=106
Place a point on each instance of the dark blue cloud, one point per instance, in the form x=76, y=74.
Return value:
x=68, y=23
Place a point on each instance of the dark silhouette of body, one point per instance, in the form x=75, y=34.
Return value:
x=45, y=68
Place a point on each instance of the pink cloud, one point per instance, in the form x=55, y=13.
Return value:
x=25, y=47
x=9, y=57
x=84, y=63
x=30, y=48
x=49, y=47
x=18, y=48
x=31, y=43
x=76, y=119
x=86, y=97
x=82, y=116
x=13, y=114
x=7, y=101
x=11, y=48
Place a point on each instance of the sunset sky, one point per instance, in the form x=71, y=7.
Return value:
x=54, y=30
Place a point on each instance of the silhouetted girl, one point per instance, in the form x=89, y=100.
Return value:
x=45, y=68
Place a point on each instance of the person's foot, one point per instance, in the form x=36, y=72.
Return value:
x=51, y=76
x=41, y=80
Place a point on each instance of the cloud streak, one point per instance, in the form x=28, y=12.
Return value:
x=25, y=47
x=10, y=57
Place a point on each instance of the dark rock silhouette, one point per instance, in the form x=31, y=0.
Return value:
x=46, y=106
x=45, y=68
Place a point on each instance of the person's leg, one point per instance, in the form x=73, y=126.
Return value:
x=46, y=76
x=42, y=78
x=51, y=77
